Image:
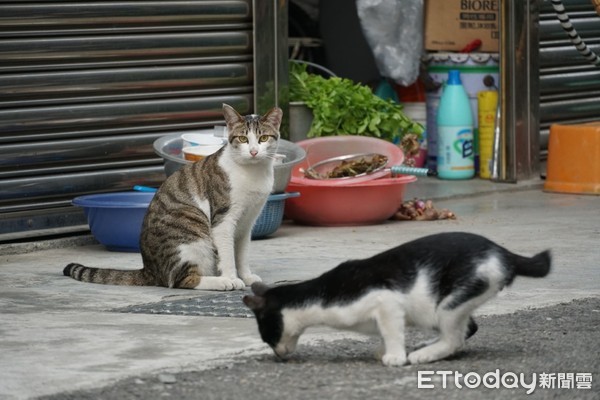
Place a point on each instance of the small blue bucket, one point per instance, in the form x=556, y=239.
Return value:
x=271, y=215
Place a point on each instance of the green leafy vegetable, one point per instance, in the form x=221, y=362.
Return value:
x=343, y=107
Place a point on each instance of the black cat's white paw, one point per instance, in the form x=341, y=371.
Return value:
x=421, y=357
x=393, y=360
x=437, y=351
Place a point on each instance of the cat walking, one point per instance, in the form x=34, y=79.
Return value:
x=435, y=282
x=197, y=229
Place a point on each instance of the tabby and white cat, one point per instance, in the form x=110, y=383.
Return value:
x=435, y=282
x=196, y=232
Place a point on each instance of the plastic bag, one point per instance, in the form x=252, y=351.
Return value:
x=394, y=31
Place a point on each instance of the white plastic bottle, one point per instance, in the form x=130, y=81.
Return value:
x=456, y=151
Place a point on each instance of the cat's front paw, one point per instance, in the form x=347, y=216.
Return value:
x=393, y=360
x=238, y=284
x=250, y=279
x=434, y=352
x=220, y=283
x=422, y=356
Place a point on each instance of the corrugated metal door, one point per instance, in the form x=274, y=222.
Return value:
x=86, y=87
x=569, y=85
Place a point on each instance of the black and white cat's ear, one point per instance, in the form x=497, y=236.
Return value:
x=232, y=117
x=257, y=301
x=273, y=117
x=259, y=288
x=254, y=302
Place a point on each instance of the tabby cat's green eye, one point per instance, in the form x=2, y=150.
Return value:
x=243, y=139
x=263, y=138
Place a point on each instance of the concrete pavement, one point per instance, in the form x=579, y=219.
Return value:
x=59, y=335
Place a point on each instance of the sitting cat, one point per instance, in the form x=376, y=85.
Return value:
x=434, y=282
x=196, y=232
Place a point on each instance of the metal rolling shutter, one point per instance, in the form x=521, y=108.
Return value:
x=569, y=86
x=86, y=87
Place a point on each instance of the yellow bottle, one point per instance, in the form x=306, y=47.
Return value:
x=487, y=101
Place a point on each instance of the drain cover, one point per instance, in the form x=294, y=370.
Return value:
x=225, y=304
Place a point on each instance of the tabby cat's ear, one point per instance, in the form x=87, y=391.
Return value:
x=254, y=302
x=273, y=117
x=232, y=117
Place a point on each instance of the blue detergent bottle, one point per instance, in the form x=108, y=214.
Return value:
x=456, y=151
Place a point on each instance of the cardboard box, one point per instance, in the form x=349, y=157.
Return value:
x=450, y=25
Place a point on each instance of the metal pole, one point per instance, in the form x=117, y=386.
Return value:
x=517, y=133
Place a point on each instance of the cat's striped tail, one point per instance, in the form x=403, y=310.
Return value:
x=537, y=266
x=107, y=276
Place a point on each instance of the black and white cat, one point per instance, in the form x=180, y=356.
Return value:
x=435, y=282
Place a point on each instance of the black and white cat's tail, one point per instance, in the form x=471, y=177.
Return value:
x=537, y=266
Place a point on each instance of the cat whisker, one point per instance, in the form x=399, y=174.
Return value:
x=276, y=156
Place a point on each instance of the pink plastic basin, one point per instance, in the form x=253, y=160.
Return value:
x=345, y=203
x=367, y=203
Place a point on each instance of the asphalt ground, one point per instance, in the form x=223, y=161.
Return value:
x=553, y=352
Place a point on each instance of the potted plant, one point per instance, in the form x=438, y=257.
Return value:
x=340, y=106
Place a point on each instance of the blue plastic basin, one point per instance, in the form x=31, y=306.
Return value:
x=115, y=219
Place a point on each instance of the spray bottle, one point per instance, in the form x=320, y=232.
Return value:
x=456, y=153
